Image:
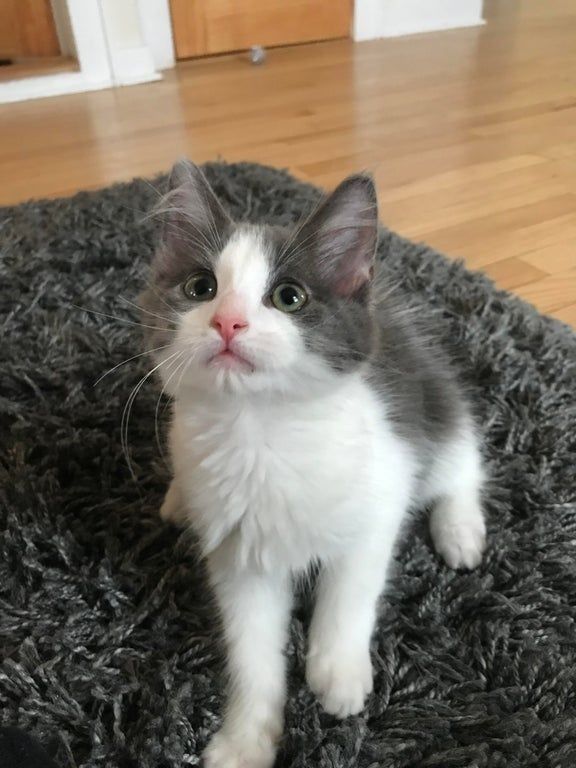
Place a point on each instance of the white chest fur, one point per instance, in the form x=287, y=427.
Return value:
x=289, y=483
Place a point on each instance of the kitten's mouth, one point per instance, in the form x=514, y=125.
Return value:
x=230, y=360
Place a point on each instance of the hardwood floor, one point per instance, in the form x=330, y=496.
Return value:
x=37, y=67
x=471, y=135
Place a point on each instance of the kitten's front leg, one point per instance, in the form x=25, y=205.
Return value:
x=255, y=610
x=338, y=667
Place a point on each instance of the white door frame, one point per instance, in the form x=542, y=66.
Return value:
x=101, y=64
x=157, y=31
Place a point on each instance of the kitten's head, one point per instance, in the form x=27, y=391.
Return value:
x=254, y=308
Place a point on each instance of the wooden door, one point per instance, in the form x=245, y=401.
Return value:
x=203, y=27
x=27, y=29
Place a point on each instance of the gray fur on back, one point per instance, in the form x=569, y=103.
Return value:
x=107, y=633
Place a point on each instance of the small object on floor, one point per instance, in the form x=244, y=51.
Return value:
x=19, y=749
x=257, y=54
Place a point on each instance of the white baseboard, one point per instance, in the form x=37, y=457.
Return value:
x=49, y=85
x=393, y=18
x=432, y=26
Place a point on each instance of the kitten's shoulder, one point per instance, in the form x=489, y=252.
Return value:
x=412, y=369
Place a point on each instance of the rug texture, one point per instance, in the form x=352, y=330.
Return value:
x=108, y=639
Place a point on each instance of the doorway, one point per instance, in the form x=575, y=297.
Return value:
x=30, y=42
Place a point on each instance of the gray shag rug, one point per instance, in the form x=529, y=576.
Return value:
x=108, y=639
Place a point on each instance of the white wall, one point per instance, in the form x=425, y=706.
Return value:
x=390, y=18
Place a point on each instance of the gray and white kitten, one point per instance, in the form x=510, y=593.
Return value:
x=308, y=417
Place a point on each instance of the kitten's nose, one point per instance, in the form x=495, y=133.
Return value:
x=228, y=325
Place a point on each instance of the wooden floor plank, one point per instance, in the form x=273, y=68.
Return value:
x=551, y=292
x=512, y=273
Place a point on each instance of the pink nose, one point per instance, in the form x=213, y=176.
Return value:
x=228, y=325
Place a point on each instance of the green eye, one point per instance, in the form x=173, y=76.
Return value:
x=289, y=297
x=200, y=287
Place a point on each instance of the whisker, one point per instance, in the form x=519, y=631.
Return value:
x=298, y=245
x=179, y=363
x=121, y=319
x=165, y=208
x=204, y=244
x=153, y=188
x=186, y=367
x=214, y=232
x=147, y=311
x=129, y=359
x=152, y=288
x=143, y=215
x=125, y=420
x=304, y=219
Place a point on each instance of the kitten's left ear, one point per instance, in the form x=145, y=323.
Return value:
x=190, y=211
x=342, y=236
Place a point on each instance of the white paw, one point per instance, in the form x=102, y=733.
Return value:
x=459, y=539
x=228, y=750
x=172, y=509
x=340, y=680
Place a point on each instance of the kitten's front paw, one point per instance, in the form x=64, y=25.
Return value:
x=459, y=539
x=172, y=509
x=341, y=680
x=227, y=750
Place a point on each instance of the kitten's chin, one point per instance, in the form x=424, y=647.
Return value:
x=227, y=360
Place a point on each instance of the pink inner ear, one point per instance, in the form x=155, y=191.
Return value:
x=354, y=278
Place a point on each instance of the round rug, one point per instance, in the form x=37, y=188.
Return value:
x=109, y=642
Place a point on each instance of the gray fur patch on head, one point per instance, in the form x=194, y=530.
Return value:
x=194, y=225
x=338, y=329
x=331, y=254
x=194, y=230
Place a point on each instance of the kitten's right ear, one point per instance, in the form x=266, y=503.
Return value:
x=341, y=237
x=192, y=216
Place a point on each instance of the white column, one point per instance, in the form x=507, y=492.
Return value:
x=130, y=58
